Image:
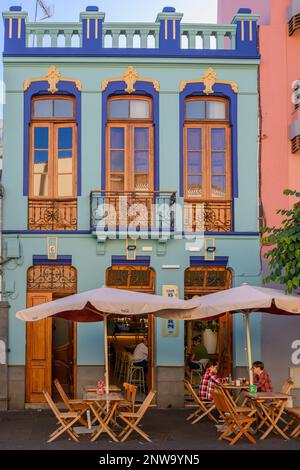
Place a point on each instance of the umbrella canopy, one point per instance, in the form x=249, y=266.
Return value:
x=94, y=305
x=244, y=299
x=238, y=299
x=103, y=303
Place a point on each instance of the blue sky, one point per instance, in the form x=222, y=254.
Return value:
x=195, y=11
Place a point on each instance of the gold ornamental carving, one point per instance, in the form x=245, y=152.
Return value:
x=53, y=77
x=209, y=78
x=130, y=77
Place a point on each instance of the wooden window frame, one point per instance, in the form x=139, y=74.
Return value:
x=149, y=288
x=206, y=127
x=129, y=125
x=130, y=98
x=203, y=290
x=54, y=118
x=52, y=161
x=206, y=98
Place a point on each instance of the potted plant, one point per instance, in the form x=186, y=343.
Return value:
x=210, y=336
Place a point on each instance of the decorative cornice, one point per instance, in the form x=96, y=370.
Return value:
x=209, y=79
x=130, y=77
x=53, y=77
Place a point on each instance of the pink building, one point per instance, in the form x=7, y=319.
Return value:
x=280, y=68
x=279, y=39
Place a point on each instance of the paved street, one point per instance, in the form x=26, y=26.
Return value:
x=168, y=429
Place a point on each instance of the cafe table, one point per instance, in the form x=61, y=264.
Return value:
x=238, y=389
x=93, y=388
x=103, y=414
x=269, y=407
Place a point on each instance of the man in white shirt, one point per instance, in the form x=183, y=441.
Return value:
x=140, y=355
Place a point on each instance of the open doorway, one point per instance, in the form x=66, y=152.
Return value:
x=215, y=344
x=125, y=333
x=50, y=343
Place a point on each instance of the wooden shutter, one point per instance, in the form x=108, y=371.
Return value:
x=38, y=351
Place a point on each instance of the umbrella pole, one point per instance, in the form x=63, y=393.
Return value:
x=249, y=352
x=106, y=371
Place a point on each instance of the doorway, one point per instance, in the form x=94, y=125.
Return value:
x=200, y=281
x=124, y=333
x=50, y=343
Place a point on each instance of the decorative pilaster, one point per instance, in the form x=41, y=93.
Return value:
x=246, y=33
x=169, y=34
x=92, y=22
x=15, y=30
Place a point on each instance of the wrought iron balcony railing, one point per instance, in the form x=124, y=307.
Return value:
x=208, y=216
x=52, y=214
x=132, y=210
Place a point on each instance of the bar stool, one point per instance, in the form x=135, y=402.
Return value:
x=136, y=376
x=123, y=365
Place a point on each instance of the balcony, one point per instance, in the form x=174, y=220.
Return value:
x=52, y=214
x=208, y=216
x=166, y=36
x=294, y=16
x=135, y=212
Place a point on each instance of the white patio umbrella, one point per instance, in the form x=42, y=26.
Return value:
x=244, y=299
x=104, y=303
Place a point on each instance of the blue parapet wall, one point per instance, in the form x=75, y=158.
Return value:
x=168, y=27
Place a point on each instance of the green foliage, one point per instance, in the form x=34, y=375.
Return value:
x=210, y=325
x=284, y=243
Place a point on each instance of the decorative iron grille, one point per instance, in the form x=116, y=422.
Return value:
x=52, y=214
x=52, y=278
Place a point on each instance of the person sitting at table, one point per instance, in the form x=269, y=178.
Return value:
x=208, y=381
x=261, y=377
x=140, y=355
x=199, y=352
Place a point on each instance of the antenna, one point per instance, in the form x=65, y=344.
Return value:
x=48, y=11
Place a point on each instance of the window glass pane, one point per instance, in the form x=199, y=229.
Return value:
x=41, y=137
x=218, y=186
x=194, y=186
x=40, y=156
x=194, y=166
x=194, y=139
x=63, y=108
x=215, y=110
x=195, y=109
x=40, y=184
x=65, y=185
x=65, y=165
x=43, y=108
x=117, y=138
x=116, y=161
x=218, y=139
x=65, y=138
x=141, y=171
x=139, y=109
x=218, y=163
x=119, y=109
x=141, y=138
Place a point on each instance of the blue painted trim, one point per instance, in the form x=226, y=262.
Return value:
x=65, y=260
x=41, y=88
x=142, y=88
x=46, y=232
x=224, y=91
x=223, y=234
x=139, y=261
x=141, y=52
x=200, y=261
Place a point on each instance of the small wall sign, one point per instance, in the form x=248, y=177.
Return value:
x=170, y=327
x=52, y=247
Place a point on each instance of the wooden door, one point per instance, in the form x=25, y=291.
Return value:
x=225, y=345
x=38, y=351
x=63, y=354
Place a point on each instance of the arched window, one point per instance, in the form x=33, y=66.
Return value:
x=129, y=144
x=53, y=143
x=207, y=153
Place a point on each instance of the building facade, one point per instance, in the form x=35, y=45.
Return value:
x=279, y=152
x=130, y=158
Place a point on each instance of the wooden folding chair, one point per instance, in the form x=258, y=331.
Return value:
x=72, y=405
x=66, y=420
x=130, y=397
x=204, y=408
x=133, y=419
x=237, y=424
x=285, y=389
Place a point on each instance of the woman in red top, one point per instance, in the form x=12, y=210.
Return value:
x=208, y=381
